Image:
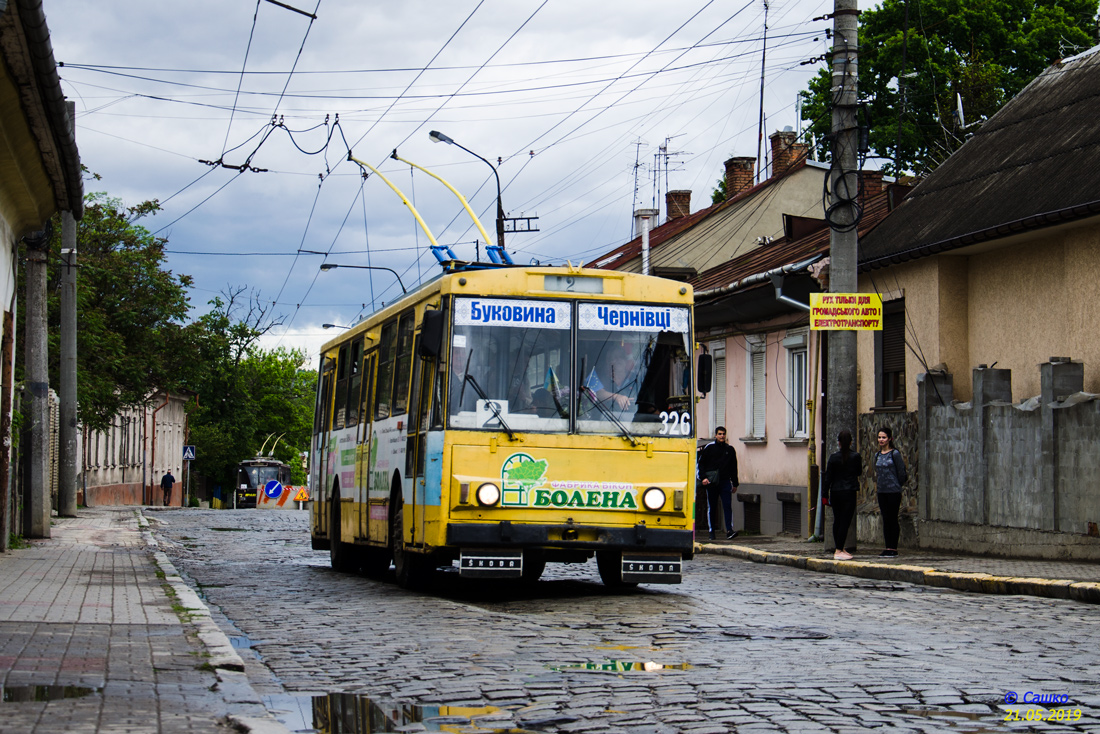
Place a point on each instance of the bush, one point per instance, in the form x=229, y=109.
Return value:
x=194, y=502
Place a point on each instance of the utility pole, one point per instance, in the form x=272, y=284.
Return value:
x=843, y=240
x=36, y=496
x=67, y=443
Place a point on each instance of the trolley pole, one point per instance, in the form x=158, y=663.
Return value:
x=843, y=239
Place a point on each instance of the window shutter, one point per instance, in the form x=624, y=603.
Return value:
x=893, y=342
x=759, y=385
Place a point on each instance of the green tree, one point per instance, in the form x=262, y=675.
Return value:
x=719, y=194
x=247, y=394
x=131, y=310
x=984, y=51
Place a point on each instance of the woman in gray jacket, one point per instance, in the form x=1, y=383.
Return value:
x=890, y=476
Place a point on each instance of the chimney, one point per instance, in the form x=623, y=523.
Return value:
x=786, y=151
x=638, y=214
x=739, y=173
x=677, y=204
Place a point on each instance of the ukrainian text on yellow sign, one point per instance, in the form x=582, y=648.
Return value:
x=846, y=311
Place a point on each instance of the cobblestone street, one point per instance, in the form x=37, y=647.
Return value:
x=741, y=646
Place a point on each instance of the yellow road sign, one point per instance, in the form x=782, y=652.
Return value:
x=845, y=311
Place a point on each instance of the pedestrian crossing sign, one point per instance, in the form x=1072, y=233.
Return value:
x=188, y=453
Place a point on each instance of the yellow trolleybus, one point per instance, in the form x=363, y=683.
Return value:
x=506, y=416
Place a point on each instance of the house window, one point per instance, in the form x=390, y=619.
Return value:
x=890, y=356
x=797, y=383
x=757, y=387
x=718, y=404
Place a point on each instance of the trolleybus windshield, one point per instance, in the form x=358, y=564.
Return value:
x=512, y=355
x=513, y=367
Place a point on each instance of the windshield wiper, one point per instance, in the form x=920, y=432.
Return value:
x=490, y=403
x=591, y=395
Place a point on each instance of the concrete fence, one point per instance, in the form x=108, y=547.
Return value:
x=1005, y=478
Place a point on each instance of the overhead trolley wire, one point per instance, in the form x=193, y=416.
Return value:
x=240, y=80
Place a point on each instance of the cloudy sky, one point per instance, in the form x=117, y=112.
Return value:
x=225, y=111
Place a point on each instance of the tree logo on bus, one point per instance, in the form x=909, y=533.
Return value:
x=519, y=474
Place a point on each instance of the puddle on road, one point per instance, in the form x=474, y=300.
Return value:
x=622, y=666
x=23, y=694
x=240, y=642
x=353, y=713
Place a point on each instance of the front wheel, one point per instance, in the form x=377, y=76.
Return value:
x=532, y=568
x=610, y=565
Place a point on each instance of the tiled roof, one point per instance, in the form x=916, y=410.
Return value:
x=786, y=252
x=1035, y=163
x=659, y=235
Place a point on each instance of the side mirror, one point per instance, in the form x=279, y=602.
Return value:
x=431, y=334
x=704, y=373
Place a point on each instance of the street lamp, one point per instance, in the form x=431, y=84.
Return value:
x=330, y=266
x=334, y=326
x=438, y=137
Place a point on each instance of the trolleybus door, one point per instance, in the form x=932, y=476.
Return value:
x=320, y=443
x=364, y=450
x=414, y=446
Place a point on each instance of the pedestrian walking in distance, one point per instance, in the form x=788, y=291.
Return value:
x=838, y=489
x=890, y=476
x=166, y=483
x=717, y=469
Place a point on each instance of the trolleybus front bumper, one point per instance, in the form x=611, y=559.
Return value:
x=579, y=537
x=500, y=549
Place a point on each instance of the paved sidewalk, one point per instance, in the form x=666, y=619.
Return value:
x=99, y=634
x=1078, y=580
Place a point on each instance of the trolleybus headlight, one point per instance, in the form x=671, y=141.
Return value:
x=488, y=494
x=653, y=498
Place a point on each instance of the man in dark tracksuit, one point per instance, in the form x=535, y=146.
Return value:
x=719, y=457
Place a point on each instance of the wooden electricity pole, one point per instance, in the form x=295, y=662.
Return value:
x=843, y=240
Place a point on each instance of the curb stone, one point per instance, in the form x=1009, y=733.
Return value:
x=247, y=710
x=980, y=583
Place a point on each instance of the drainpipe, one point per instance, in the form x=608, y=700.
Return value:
x=818, y=531
x=761, y=278
x=153, y=458
x=777, y=282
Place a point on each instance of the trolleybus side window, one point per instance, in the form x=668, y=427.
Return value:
x=368, y=385
x=386, y=353
x=355, y=382
x=324, y=396
x=369, y=361
x=340, y=403
x=403, y=364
